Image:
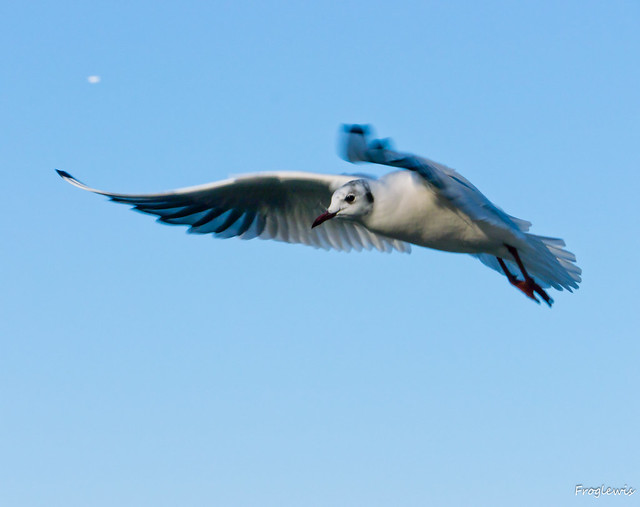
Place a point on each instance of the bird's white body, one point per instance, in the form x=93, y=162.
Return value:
x=408, y=209
x=425, y=204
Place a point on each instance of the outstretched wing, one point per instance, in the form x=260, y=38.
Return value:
x=279, y=205
x=447, y=182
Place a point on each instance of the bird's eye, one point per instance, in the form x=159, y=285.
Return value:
x=350, y=198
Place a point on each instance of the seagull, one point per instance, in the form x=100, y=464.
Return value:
x=422, y=203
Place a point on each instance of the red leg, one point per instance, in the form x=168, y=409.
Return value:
x=517, y=283
x=528, y=285
x=511, y=277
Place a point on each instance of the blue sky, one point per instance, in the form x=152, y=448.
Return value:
x=143, y=366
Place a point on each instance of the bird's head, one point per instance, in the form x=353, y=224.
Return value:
x=351, y=200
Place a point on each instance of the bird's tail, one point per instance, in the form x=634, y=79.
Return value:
x=545, y=259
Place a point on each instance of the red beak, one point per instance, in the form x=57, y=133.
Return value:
x=323, y=218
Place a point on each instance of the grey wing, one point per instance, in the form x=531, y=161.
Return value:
x=279, y=206
x=446, y=181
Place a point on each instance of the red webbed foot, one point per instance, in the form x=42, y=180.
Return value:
x=531, y=288
x=528, y=285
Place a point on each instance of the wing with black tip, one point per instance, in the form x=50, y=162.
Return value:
x=278, y=205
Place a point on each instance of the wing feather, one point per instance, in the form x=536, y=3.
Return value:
x=279, y=206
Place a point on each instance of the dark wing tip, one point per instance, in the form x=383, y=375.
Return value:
x=71, y=180
x=64, y=174
x=357, y=129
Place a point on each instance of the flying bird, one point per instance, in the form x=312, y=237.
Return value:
x=422, y=203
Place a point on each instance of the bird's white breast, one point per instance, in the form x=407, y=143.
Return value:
x=408, y=209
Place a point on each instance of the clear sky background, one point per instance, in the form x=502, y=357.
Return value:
x=143, y=366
